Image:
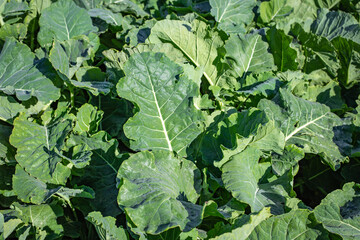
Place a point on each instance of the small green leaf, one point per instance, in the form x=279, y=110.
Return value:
x=88, y=119
x=106, y=227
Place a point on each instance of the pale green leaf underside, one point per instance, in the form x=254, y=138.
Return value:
x=167, y=119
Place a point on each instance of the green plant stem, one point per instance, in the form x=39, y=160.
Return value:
x=311, y=178
x=100, y=62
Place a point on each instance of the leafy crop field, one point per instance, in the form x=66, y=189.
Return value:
x=179, y=119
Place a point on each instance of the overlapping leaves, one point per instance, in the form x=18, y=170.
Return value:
x=229, y=119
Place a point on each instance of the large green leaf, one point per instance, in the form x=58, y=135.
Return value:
x=272, y=9
x=167, y=118
x=284, y=55
x=15, y=8
x=128, y=6
x=106, y=227
x=349, y=55
x=249, y=181
x=319, y=52
x=31, y=190
x=339, y=212
x=116, y=113
x=22, y=74
x=232, y=15
x=248, y=53
x=310, y=125
x=100, y=174
x=17, y=31
x=331, y=24
x=196, y=41
x=62, y=21
x=89, y=4
x=38, y=148
x=292, y=225
x=158, y=191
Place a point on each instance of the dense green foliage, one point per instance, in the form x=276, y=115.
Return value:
x=179, y=119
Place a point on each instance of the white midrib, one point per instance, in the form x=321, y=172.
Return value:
x=113, y=20
x=303, y=126
x=47, y=138
x=193, y=60
x=111, y=166
x=224, y=11
x=252, y=54
x=67, y=29
x=160, y=115
x=275, y=14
